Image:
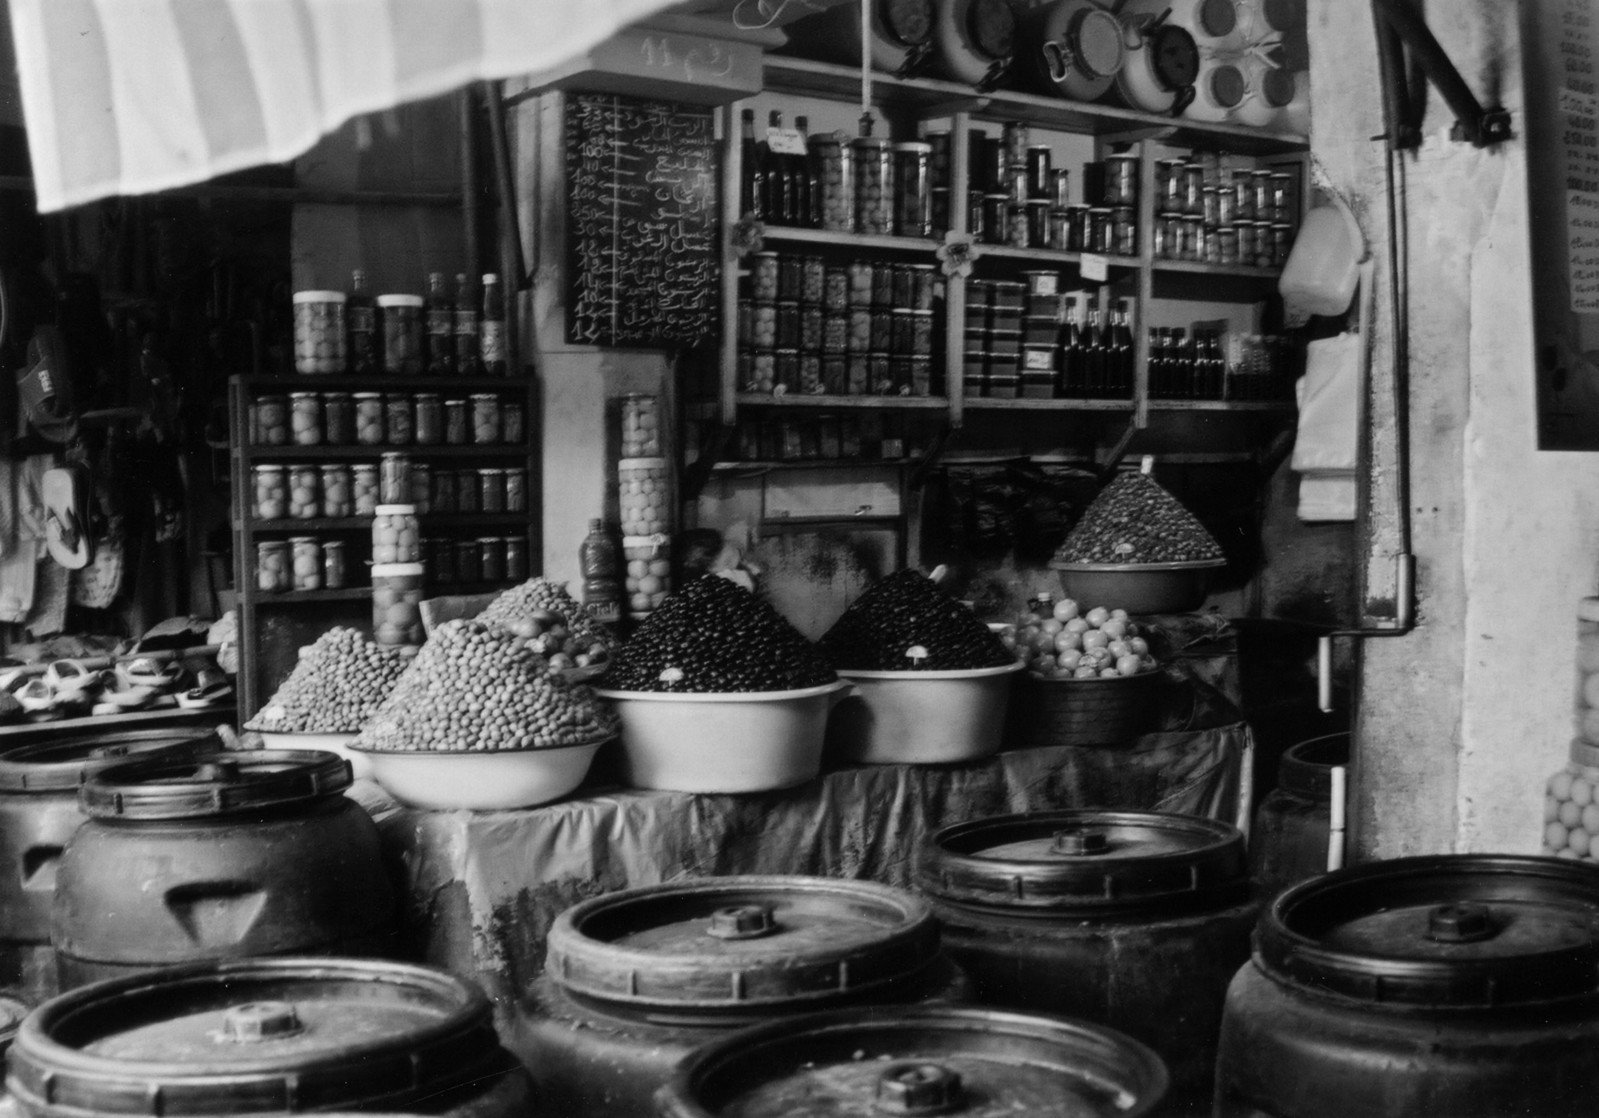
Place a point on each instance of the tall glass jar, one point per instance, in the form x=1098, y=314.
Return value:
x=516, y=489
x=491, y=558
x=835, y=171
x=429, y=425
x=486, y=429
x=394, y=479
x=443, y=497
x=271, y=492
x=305, y=418
x=319, y=332
x=306, y=562
x=913, y=198
x=400, y=326
x=364, y=488
x=338, y=419
x=369, y=419
x=272, y=566
x=641, y=426
x=337, y=496
x=512, y=421
x=491, y=489
x=422, y=487
x=334, y=564
x=457, y=422
x=399, y=420
x=269, y=421
x=304, y=492
x=396, y=535
x=515, y=558
x=397, y=603
x=874, y=185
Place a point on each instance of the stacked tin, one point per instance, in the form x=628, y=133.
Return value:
x=993, y=338
x=1040, y=363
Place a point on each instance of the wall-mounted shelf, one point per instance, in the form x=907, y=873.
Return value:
x=798, y=400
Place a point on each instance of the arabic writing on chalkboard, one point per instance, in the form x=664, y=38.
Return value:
x=642, y=222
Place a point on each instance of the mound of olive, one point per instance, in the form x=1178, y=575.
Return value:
x=1134, y=520
x=906, y=622
x=338, y=683
x=476, y=686
x=715, y=636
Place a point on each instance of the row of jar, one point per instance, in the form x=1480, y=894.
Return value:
x=787, y=371
x=823, y=438
x=777, y=277
x=809, y=329
x=384, y=419
x=999, y=219
x=307, y=491
x=1185, y=187
x=1256, y=243
x=302, y=563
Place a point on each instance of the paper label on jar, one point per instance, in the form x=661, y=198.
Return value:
x=785, y=141
x=492, y=340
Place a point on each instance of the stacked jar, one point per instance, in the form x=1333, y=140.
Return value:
x=641, y=426
x=397, y=603
x=319, y=332
x=1571, y=796
x=1241, y=215
x=396, y=535
x=644, y=498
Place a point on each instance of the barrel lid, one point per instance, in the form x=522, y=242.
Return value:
x=1174, y=54
x=1227, y=86
x=920, y=1060
x=1086, y=862
x=1470, y=931
x=62, y=764
x=254, y=1036
x=1097, y=37
x=1306, y=768
x=211, y=786
x=908, y=23
x=1278, y=87
x=1217, y=17
x=733, y=944
x=992, y=27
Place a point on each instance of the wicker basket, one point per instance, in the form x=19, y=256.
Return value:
x=1067, y=711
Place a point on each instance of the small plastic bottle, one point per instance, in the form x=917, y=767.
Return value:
x=602, y=573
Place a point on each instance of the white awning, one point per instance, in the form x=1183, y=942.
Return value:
x=133, y=96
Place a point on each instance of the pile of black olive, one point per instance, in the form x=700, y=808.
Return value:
x=1134, y=520
x=715, y=636
x=906, y=622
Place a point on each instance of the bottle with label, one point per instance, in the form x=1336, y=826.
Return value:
x=491, y=330
x=1095, y=353
x=1070, y=362
x=752, y=193
x=438, y=323
x=602, y=573
x=778, y=180
x=1122, y=349
x=806, y=187
x=468, y=356
x=361, y=320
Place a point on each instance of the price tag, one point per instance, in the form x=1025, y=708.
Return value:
x=785, y=141
x=1093, y=266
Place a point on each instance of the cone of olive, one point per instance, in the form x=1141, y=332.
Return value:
x=906, y=622
x=1134, y=520
x=476, y=686
x=1071, y=644
x=561, y=630
x=338, y=682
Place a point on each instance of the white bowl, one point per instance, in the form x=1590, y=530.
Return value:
x=447, y=780
x=328, y=743
x=749, y=741
x=926, y=718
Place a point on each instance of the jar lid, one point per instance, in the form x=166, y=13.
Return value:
x=1227, y=86
x=1468, y=931
x=914, y=147
x=1087, y=862
x=210, y=786
x=399, y=300
x=1217, y=17
x=368, y=395
x=420, y=396
x=271, y=545
x=269, y=467
x=395, y=510
x=492, y=540
x=1306, y=768
x=921, y=1060
x=737, y=944
x=295, y=540
x=304, y=395
x=491, y=470
x=397, y=570
x=244, y=1036
x=319, y=296
x=62, y=764
x=485, y=395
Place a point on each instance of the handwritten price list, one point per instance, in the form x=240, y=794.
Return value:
x=642, y=222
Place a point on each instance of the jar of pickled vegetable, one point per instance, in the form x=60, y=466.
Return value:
x=337, y=498
x=874, y=184
x=515, y=558
x=272, y=566
x=305, y=418
x=271, y=492
x=338, y=418
x=512, y=421
x=306, y=559
x=442, y=499
x=269, y=421
x=429, y=425
x=491, y=489
x=400, y=326
x=364, y=488
x=394, y=479
x=457, y=422
x=486, y=429
x=334, y=569
x=319, y=332
x=399, y=420
x=396, y=535
x=369, y=418
x=305, y=487
x=516, y=489
x=422, y=487
x=641, y=426
x=491, y=558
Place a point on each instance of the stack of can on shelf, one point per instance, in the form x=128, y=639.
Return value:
x=1040, y=364
x=993, y=338
x=1240, y=215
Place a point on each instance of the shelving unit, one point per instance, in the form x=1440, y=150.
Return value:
x=258, y=611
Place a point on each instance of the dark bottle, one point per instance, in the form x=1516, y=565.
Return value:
x=752, y=185
x=438, y=317
x=779, y=181
x=806, y=185
x=491, y=328
x=1122, y=359
x=1216, y=381
x=468, y=353
x=361, y=323
x=1095, y=352
x=1182, y=365
x=602, y=573
x=1070, y=361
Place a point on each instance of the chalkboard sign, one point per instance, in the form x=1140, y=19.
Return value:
x=643, y=229
x=1561, y=67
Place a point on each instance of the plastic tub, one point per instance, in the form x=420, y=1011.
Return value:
x=1139, y=587
x=481, y=780
x=925, y=718
x=751, y=741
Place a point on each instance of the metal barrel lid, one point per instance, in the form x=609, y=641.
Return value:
x=62, y=764
x=1086, y=863
x=1174, y=55
x=1306, y=767
x=256, y=1036
x=1469, y=931
x=908, y=23
x=991, y=27
x=216, y=785
x=737, y=944
x=976, y=1063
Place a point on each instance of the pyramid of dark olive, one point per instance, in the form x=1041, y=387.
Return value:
x=906, y=622
x=336, y=685
x=1134, y=520
x=711, y=636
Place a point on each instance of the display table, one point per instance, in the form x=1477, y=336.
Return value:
x=484, y=886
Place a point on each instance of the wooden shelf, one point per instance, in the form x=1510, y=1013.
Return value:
x=799, y=400
x=1045, y=255
x=932, y=97
x=788, y=234
x=141, y=719
x=986, y=403
x=766, y=465
x=1195, y=268
x=341, y=382
x=452, y=450
x=1222, y=405
x=362, y=523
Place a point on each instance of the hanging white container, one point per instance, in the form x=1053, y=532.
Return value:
x=1161, y=66
x=1216, y=25
x=973, y=40
x=1219, y=90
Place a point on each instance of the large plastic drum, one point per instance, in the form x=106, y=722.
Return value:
x=268, y=1037
x=1465, y=985
x=227, y=857
x=977, y=1062
x=1135, y=920
x=635, y=980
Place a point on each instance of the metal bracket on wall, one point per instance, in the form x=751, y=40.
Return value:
x=1399, y=26
x=1404, y=622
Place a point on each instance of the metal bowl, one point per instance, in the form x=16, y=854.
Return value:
x=1139, y=587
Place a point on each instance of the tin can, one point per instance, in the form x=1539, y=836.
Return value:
x=400, y=325
x=305, y=418
x=515, y=558
x=913, y=197
x=338, y=499
x=305, y=492
x=398, y=419
x=422, y=487
x=306, y=559
x=364, y=487
x=333, y=564
x=338, y=419
x=272, y=566
x=429, y=419
x=491, y=489
x=394, y=479
x=516, y=489
x=486, y=429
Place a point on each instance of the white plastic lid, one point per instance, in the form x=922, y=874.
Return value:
x=397, y=570
x=319, y=296
x=399, y=300
x=395, y=510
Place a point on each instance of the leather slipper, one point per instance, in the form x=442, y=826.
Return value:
x=66, y=490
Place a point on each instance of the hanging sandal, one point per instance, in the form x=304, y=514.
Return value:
x=66, y=522
x=211, y=689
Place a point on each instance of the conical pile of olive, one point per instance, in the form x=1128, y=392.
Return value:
x=1134, y=520
x=338, y=683
x=906, y=622
x=715, y=636
x=540, y=596
x=476, y=686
